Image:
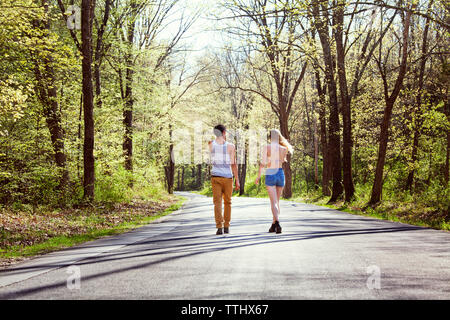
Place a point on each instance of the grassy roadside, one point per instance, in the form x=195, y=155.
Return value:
x=392, y=209
x=25, y=234
x=404, y=212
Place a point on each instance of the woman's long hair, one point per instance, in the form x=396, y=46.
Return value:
x=281, y=140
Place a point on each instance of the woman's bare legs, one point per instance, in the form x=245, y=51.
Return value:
x=279, y=192
x=272, y=191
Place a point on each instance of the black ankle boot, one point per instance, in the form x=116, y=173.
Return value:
x=277, y=227
x=272, y=228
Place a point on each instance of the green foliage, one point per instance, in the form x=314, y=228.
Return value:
x=113, y=187
x=164, y=101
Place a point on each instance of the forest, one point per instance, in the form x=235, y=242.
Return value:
x=92, y=93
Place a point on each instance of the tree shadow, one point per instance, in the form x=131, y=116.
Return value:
x=179, y=247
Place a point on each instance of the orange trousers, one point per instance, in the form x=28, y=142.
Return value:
x=222, y=188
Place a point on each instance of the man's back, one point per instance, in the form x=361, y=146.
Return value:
x=221, y=158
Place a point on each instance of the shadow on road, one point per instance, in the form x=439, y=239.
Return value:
x=179, y=246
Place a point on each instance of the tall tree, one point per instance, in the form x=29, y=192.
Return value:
x=100, y=51
x=47, y=92
x=326, y=151
x=144, y=21
x=320, y=18
x=274, y=36
x=338, y=18
x=421, y=77
x=128, y=97
x=350, y=90
x=169, y=168
x=232, y=68
x=87, y=14
x=390, y=99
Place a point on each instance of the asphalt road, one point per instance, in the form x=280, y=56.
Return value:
x=321, y=254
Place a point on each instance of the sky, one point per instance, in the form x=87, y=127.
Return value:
x=203, y=35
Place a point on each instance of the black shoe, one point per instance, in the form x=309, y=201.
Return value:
x=226, y=230
x=219, y=231
x=277, y=227
x=272, y=228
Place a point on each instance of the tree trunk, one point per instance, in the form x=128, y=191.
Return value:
x=87, y=8
x=53, y=118
x=390, y=100
x=418, y=124
x=335, y=147
x=287, y=190
x=315, y=145
x=447, y=160
x=99, y=52
x=128, y=108
x=80, y=145
x=199, y=176
x=345, y=102
x=326, y=167
x=334, y=144
x=377, y=185
x=48, y=96
x=182, y=179
x=169, y=169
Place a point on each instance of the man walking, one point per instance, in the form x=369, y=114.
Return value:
x=223, y=160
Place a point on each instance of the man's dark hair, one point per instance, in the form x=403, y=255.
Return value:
x=219, y=130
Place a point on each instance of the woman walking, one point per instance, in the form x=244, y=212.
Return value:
x=273, y=156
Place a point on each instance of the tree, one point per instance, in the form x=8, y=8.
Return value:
x=274, y=37
x=390, y=99
x=87, y=14
x=144, y=21
x=345, y=100
x=100, y=51
x=326, y=151
x=421, y=76
x=319, y=12
x=232, y=67
x=47, y=93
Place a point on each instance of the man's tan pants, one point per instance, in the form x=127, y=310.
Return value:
x=222, y=188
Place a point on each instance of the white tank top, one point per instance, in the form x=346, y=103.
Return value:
x=220, y=160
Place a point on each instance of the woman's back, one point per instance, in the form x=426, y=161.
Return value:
x=274, y=155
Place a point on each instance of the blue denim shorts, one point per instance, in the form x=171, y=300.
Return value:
x=275, y=177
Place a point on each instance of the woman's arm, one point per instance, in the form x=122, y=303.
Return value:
x=259, y=173
x=262, y=164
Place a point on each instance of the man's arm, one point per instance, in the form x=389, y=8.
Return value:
x=210, y=145
x=234, y=167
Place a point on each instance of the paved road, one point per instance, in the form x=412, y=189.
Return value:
x=321, y=254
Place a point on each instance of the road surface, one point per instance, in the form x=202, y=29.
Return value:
x=321, y=254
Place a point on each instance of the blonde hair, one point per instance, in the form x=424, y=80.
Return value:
x=281, y=140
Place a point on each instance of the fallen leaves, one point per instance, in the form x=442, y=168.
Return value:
x=20, y=229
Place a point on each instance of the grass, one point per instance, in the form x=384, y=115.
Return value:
x=392, y=209
x=397, y=207
x=25, y=235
